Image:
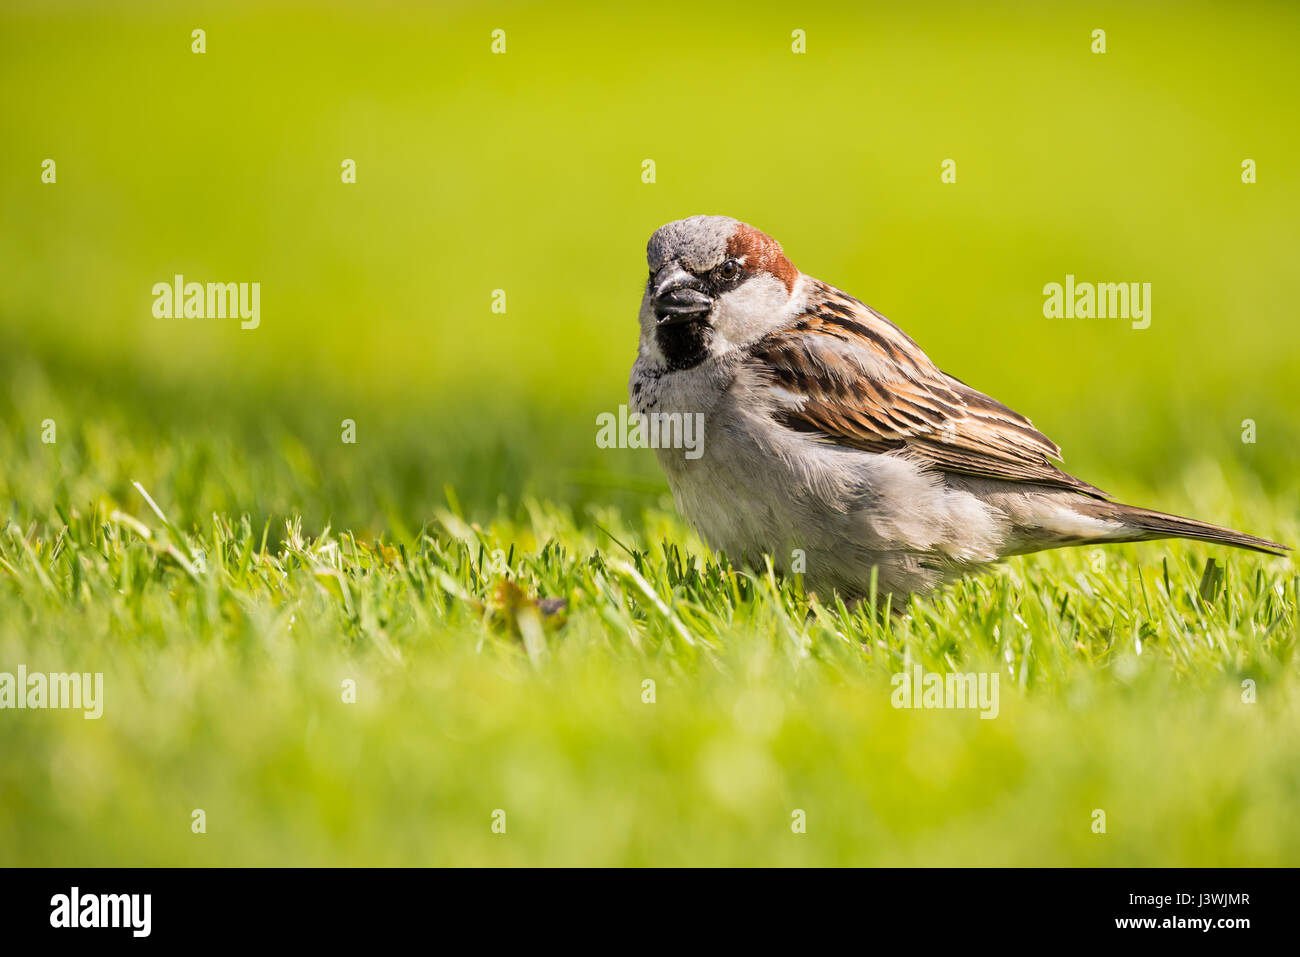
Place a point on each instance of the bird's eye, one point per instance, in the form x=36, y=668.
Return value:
x=729, y=269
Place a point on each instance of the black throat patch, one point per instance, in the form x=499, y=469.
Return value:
x=684, y=345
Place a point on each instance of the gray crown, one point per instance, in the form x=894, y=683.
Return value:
x=700, y=242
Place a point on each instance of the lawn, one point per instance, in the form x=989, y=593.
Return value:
x=472, y=636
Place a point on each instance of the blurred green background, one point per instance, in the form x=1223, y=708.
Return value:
x=522, y=172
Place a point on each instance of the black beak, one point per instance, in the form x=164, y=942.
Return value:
x=678, y=296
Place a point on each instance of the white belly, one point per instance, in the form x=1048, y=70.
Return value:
x=831, y=511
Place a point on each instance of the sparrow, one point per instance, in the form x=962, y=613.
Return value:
x=833, y=444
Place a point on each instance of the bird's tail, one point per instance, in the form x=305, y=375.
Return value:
x=1146, y=524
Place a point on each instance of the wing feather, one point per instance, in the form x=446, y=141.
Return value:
x=857, y=379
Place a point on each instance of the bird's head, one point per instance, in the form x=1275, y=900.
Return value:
x=715, y=284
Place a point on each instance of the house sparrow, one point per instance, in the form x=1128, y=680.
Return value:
x=833, y=443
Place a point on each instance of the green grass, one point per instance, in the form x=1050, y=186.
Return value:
x=280, y=562
x=225, y=643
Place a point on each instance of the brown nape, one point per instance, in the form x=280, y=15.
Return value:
x=761, y=252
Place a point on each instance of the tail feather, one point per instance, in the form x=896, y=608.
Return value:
x=1147, y=524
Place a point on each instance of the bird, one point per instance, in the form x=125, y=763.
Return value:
x=833, y=444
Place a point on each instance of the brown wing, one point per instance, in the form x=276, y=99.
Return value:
x=852, y=375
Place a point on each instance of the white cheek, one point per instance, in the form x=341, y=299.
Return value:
x=751, y=311
x=649, y=344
